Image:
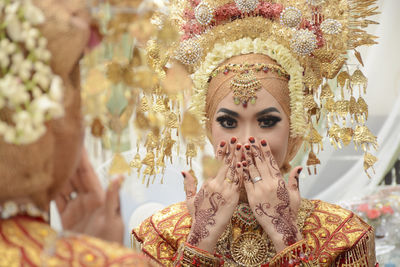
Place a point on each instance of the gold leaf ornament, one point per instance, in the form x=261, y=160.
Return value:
x=369, y=161
x=211, y=167
x=358, y=79
x=177, y=79
x=363, y=137
x=119, y=165
x=190, y=126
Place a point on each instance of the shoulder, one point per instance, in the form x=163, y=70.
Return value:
x=24, y=240
x=332, y=230
x=161, y=234
x=96, y=252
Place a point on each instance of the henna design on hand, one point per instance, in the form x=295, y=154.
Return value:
x=204, y=217
x=258, y=153
x=273, y=164
x=283, y=217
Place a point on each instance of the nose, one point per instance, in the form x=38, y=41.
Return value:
x=246, y=132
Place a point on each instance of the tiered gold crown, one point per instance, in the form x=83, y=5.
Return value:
x=309, y=39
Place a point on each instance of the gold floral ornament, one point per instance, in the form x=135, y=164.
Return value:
x=331, y=26
x=249, y=249
x=290, y=17
x=304, y=42
x=203, y=13
x=189, y=52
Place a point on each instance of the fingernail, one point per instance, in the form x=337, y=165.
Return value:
x=238, y=165
x=247, y=147
x=183, y=174
x=222, y=144
x=252, y=140
x=299, y=170
x=263, y=142
x=238, y=146
x=233, y=140
x=244, y=163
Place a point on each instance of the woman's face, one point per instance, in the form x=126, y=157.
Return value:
x=263, y=120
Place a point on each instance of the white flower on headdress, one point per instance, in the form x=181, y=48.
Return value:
x=32, y=100
x=14, y=28
x=33, y=14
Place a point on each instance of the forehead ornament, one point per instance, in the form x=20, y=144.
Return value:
x=245, y=84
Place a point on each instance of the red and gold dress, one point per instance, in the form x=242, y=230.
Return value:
x=27, y=241
x=333, y=235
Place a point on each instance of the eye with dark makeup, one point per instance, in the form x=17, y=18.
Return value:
x=268, y=121
x=227, y=121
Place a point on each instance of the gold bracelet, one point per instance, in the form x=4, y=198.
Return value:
x=189, y=255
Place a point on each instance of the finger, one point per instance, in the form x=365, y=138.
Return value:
x=221, y=150
x=189, y=185
x=232, y=173
x=223, y=171
x=231, y=151
x=293, y=181
x=253, y=171
x=239, y=174
x=61, y=202
x=258, y=158
x=112, y=204
x=270, y=160
x=248, y=184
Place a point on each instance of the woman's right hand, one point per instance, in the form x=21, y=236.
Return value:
x=213, y=206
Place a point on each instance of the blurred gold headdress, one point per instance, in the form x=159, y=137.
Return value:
x=309, y=39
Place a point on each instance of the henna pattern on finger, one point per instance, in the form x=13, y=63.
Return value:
x=220, y=153
x=283, y=217
x=204, y=217
x=257, y=153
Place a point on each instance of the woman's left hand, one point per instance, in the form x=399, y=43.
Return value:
x=274, y=202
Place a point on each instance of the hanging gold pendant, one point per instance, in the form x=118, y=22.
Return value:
x=244, y=87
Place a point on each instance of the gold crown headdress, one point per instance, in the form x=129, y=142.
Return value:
x=309, y=39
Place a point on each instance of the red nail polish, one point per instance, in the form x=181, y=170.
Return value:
x=238, y=165
x=247, y=147
x=299, y=170
x=222, y=144
x=233, y=140
x=183, y=174
x=252, y=140
x=238, y=146
x=263, y=142
x=244, y=164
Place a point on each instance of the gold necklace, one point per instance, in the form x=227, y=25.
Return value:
x=244, y=243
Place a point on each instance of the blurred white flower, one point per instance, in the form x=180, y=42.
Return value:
x=33, y=14
x=56, y=89
x=14, y=28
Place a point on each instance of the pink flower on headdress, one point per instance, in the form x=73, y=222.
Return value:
x=387, y=209
x=191, y=28
x=277, y=10
x=188, y=14
x=305, y=24
x=194, y=3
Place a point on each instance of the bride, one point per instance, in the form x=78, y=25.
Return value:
x=258, y=68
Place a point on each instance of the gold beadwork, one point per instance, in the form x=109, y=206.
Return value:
x=203, y=13
x=304, y=42
x=290, y=17
x=244, y=87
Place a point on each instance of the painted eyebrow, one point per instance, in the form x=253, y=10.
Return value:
x=266, y=111
x=230, y=112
